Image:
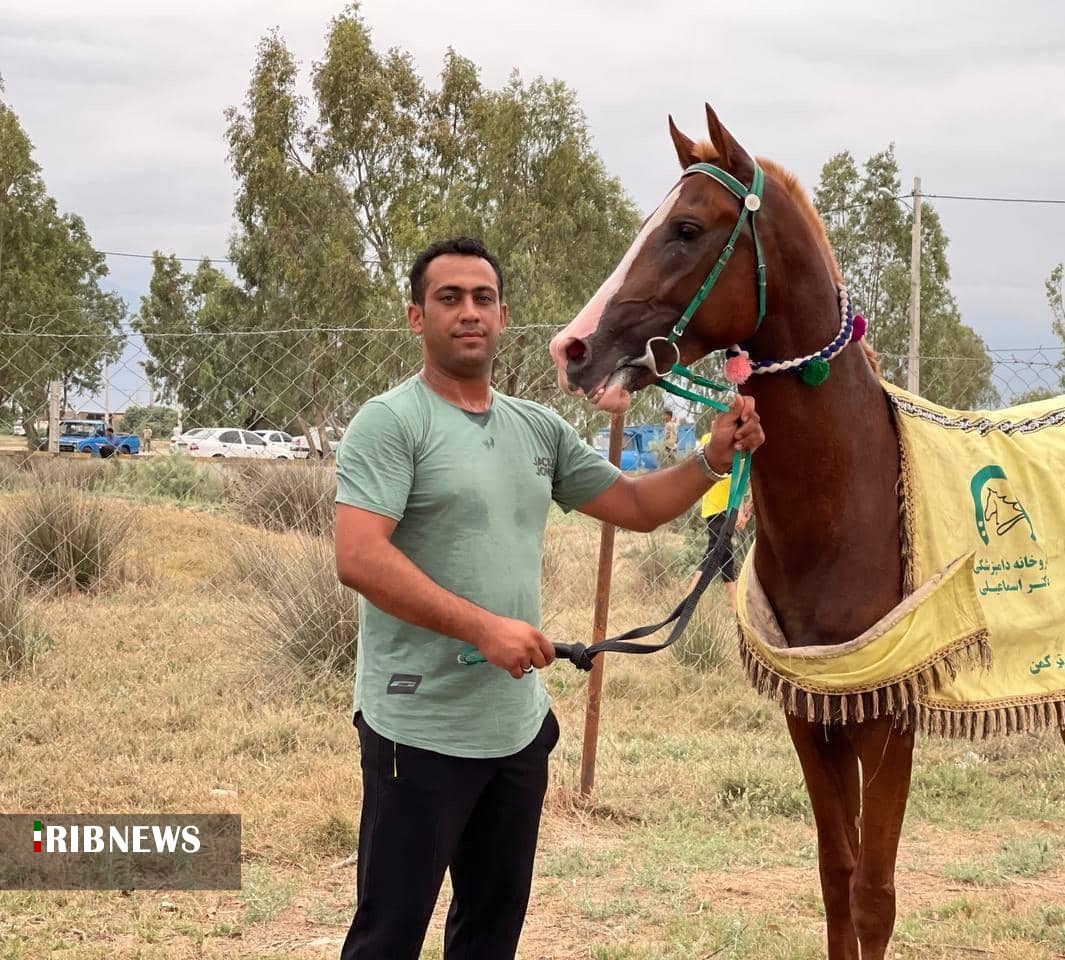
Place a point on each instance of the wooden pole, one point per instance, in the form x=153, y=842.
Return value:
x=602, y=611
x=54, y=390
x=913, y=367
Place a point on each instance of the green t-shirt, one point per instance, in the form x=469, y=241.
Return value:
x=471, y=494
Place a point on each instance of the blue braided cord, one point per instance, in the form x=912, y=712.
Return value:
x=842, y=338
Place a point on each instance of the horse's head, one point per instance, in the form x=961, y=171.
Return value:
x=618, y=342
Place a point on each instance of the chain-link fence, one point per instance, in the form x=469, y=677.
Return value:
x=172, y=633
x=233, y=433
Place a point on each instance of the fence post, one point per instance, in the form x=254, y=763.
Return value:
x=599, y=621
x=54, y=394
x=913, y=367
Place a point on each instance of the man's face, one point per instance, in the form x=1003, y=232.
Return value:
x=462, y=317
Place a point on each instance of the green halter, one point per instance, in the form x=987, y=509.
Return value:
x=752, y=203
x=741, y=462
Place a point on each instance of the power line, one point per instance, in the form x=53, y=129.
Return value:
x=942, y=196
x=843, y=209
x=951, y=196
x=151, y=256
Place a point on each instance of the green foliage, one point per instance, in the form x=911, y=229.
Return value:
x=870, y=233
x=174, y=477
x=1056, y=302
x=161, y=419
x=335, y=197
x=50, y=277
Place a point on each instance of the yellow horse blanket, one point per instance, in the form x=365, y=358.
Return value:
x=977, y=648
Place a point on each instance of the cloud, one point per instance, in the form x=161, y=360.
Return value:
x=125, y=102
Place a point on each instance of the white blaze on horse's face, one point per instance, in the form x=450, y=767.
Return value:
x=586, y=322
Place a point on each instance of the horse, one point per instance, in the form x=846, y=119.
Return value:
x=831, y=569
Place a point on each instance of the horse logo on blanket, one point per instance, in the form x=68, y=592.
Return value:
x=994, y=505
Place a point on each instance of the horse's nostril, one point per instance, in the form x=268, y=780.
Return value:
x=576, y=350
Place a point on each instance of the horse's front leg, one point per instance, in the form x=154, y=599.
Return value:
x=886, y=754
x=830, y=768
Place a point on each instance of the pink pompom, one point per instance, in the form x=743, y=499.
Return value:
x=738, y=368
x=859, y=328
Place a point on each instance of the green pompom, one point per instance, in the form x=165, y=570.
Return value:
x=814, y=372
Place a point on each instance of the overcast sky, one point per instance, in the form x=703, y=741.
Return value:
x=124, y=101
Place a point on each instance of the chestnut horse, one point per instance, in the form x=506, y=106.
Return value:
x=828, y=552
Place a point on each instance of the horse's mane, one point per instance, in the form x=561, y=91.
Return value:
x=706, y=152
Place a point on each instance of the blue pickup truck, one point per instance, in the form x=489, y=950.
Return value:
x=90, y=436
x=640, y=443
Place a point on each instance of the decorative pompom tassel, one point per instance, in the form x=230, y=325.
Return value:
x=814, y=372
x=859, y=328
x=738, y=366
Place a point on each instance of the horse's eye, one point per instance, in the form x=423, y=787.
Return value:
x=688, y=231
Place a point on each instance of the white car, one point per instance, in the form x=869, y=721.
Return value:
x=279, y=442
x=222, y=442
x=302, y=451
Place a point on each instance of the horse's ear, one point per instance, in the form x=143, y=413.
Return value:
x=731, y=154
x=684, y=145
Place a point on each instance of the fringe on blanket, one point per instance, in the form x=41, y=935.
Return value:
x=899, y=698
x=983, y=724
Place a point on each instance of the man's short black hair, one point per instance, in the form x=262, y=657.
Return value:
x=464, y=247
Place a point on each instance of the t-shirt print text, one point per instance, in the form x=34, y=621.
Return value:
x=545, y=466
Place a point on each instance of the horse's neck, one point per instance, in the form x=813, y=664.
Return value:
x=828, y=548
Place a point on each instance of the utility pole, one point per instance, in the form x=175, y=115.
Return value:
x=913, y=368
x=107, y=394
x=54, y=391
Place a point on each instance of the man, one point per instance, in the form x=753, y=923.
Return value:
x=712, y=510
x=146, y=439
x=669, y=437
x=108, y=447
x=443, y=488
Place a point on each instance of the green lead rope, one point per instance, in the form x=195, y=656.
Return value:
x=751, y=198
x=582, y=656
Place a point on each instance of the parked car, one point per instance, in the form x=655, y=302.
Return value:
x=641, y=442
x=90, y=436
x=222, y=442
x=279, y=442
x=302, y=451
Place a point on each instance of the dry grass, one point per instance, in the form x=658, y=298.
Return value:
x=71, y=473
x=22, y=640
x=697, y=841
x=64, y=539
x=304, y=618
x=295, y=495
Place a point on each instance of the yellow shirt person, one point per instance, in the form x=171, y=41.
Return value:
x=716, y=498
x=712, y=509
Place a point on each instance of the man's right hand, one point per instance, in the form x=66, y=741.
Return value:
x=514, y=646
